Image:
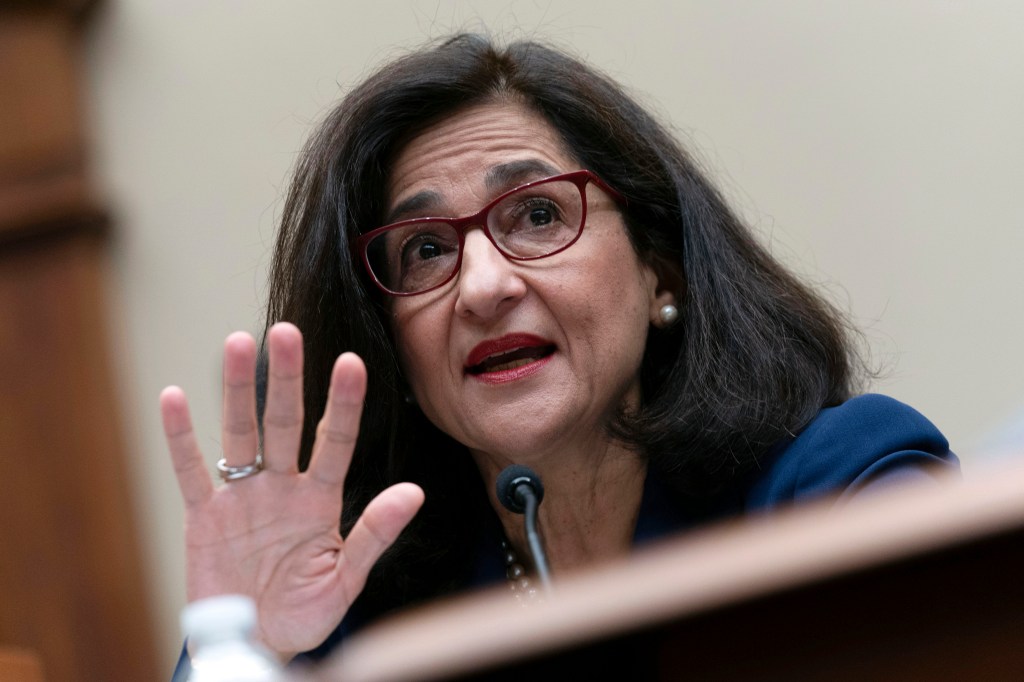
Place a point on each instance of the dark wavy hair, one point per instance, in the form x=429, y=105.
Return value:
x=754, y=356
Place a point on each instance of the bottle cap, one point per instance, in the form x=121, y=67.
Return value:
x=221, y=616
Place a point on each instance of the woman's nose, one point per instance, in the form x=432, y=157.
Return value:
x=488, y=282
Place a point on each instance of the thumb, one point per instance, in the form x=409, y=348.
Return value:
x=379, y=526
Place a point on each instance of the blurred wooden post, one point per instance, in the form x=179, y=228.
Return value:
x=18, y=665
x=71, y=586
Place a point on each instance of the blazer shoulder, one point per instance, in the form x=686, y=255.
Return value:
x=847, y=445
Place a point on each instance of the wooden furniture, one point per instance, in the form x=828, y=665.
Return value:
x=19, y=665
x=911, y=584
x=71, y=584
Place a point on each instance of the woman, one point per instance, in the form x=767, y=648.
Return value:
x=600, y=316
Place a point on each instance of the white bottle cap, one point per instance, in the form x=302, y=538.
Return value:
x=218, y=617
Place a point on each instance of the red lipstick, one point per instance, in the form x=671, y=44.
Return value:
x=508, y=358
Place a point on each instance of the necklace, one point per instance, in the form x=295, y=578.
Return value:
x=518, y=579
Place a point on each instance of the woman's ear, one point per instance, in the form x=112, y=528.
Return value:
x=669, y=292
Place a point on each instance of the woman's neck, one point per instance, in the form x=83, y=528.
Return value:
x=590, y=508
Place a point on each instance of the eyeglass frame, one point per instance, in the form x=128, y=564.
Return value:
x=580, y=178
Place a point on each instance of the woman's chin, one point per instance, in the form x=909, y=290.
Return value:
x=531, y=445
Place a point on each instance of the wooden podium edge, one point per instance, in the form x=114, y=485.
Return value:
x=705, y=570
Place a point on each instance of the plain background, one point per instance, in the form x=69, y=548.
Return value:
x=875, y=146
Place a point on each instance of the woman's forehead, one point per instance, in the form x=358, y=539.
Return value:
x=483, y=150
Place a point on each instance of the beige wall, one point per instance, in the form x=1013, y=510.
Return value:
x=876, y=145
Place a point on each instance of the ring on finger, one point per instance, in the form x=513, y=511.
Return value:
x=229, y=473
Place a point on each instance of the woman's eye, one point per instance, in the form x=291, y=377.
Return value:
x=537, y=213
x=427, y=251
x=541, y=216
x=423, y=247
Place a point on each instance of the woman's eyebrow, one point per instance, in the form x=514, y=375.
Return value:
x=508, y=175
x=498, y=178
x=419, y=204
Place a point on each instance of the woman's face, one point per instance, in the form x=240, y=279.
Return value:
x=575, y=323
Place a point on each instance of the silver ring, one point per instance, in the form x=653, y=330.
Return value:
x=229, y=473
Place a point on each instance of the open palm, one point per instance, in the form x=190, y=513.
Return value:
x=275, y=536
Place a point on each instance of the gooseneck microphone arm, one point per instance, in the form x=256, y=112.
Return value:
x=540, y=559
x=520, y=491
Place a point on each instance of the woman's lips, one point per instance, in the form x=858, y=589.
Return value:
x=508, y=358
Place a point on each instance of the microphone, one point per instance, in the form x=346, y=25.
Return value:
x=520, y=491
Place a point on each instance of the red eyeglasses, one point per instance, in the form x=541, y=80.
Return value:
x=535, y=220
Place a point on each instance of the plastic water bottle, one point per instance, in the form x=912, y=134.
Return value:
x=220, y=632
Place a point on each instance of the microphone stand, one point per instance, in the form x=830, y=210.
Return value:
x=540, y=560
x=520, y=491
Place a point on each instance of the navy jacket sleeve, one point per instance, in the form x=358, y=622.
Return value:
x=865, y=441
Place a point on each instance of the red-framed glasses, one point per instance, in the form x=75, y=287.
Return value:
x=535, y=220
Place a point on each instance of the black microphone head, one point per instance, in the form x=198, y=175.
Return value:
x=509, y=480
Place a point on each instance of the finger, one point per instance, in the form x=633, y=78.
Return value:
x=282, y=417
x=189, y=468
x=337, y=431
x=238, y=421
x=378, y=527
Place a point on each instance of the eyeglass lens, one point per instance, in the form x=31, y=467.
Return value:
x=531, y=222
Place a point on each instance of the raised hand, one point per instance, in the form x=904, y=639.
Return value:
x=275, y=535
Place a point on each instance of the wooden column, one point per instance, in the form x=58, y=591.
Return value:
x=71, y=581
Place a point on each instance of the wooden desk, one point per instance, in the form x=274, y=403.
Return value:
x=909, y=584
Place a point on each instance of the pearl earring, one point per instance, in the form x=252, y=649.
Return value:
x=669, y=314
